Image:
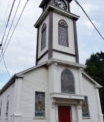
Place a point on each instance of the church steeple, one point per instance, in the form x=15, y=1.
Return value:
x=57, y=35
x=63, y=4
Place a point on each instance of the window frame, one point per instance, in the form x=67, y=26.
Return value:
x=65, y=77
x=37, y=116
x=86, y=101
x=62, y=24
x=43, y=36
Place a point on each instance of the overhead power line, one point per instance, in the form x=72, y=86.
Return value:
x=5, y=18
x=11, y=24
x=90, y=20
x=5, y=66
x=6, y=11
x=4, y=50
x=15, y=26
x=8, y=21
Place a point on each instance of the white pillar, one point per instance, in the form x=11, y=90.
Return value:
x=74, y=116
x=53, y=114
x=17, y=100
x=79, y=113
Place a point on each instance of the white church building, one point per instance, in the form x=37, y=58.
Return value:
x=57, y=89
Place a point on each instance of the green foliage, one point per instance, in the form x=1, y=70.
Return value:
x=95, y=68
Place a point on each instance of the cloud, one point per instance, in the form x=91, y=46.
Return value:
x=83, y=56
x=21, y=52
x=90, y=7
x=88, y=24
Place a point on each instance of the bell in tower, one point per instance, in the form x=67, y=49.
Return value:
x=57, y=35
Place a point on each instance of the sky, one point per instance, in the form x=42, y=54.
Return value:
x=21, y=51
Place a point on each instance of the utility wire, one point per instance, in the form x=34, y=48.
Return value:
x=90, y=19
x=5, y=66
x=3, y=52
x=5, y=18
x=6, y=10
x=11, y=24
x=8, y=21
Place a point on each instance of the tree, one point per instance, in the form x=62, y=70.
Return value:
x=95, y=68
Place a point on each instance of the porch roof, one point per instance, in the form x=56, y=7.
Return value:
x=66, y=99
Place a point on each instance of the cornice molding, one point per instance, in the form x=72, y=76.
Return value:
x=56, y=10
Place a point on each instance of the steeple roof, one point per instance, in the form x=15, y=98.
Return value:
x=46, y=1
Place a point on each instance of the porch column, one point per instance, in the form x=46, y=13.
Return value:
x=79, y=113
x=53, y=113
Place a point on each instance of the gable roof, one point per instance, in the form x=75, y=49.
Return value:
x=97, y=85
x=31, y=69
x=9, y=83
x=49, y=62
x=18, y=75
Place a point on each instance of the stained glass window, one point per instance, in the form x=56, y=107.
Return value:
x=43, y=36
x=63, y=33
x=67, y=82
x=85, y=107
x=39, y=104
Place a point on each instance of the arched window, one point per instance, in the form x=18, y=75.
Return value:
x=43, y=36
x=67, y=82
x=63, y=33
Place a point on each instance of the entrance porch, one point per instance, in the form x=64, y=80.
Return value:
x=67, y=107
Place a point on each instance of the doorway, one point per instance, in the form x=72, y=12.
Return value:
x=64, y=114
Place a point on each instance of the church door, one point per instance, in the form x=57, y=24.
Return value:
x=64, y=114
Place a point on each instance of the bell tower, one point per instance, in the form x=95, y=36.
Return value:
x=57, y=34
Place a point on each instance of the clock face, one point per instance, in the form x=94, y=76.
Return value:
x=61, y=4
